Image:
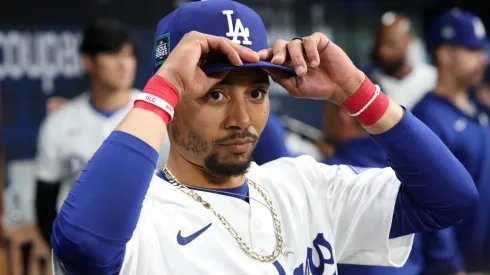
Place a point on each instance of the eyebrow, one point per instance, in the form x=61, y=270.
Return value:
x=256, y=82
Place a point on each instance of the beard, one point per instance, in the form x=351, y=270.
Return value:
x=393, y=66
x=221, y=169
x=191, y=142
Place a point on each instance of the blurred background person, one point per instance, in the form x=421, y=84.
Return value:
x=458, y=42
x=74, y=130
x=403, y=79
x=432, y=253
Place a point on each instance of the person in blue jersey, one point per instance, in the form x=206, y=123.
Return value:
x=433, y=253
x=272, y=142
x=458, y=42
x=210, y=209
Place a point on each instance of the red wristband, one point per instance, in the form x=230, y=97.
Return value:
x=367, y=104
x=159, y=97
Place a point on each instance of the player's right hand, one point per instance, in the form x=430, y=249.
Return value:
x=182, y=65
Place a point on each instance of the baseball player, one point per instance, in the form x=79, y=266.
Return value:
x=71, y=134
x=403, y=81
x=432, y=252
x=210, y=210
x=458, y=41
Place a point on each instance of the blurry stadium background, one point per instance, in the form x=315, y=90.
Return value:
x=39, y=59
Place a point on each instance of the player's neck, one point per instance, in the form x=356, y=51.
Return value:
x=453, y=91
x=193, y=175
x=109, y=99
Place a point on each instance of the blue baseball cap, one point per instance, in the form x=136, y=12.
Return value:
x=224, y=18
x=460, y=28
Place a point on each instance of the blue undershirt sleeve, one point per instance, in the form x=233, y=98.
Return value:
x=436, y=190
x=101, y=212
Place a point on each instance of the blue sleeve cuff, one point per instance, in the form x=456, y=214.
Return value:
x=398, y=131
x=135, y=144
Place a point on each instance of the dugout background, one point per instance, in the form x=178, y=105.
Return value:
x=39, y=54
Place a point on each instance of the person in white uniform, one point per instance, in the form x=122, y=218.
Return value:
x=211, y=210
x=403, y=80
x=71, y=134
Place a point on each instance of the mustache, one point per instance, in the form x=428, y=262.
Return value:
x=237, y=135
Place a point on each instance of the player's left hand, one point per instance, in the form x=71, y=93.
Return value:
x=324, y=71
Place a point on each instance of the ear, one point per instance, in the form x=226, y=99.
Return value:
x=443, y=56
x=88, y=63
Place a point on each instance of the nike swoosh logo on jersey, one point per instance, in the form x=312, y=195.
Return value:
x=186, y=240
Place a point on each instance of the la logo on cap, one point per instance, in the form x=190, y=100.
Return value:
x=237, y=30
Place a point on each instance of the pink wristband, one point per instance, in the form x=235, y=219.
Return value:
x=368, y=104
x=159, y=97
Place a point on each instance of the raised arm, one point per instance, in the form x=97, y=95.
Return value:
x=101, y=212
x=429, y=188
x=436, y=189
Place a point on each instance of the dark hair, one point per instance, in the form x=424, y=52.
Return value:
x=106, y=35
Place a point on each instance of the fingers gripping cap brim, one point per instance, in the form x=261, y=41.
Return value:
x=217, y=68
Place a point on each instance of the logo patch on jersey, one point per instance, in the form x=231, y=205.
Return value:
x=460, y=124
x=186, y=240
x=324, y=258
x=357, y=169
x=237, y=30
x=162, y=48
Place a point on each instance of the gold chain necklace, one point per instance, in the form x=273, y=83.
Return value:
x=252, y=254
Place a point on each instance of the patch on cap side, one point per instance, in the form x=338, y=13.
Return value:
x=162, y=48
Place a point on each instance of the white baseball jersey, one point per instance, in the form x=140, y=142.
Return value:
x=329, y=215
x=410, y=89
x=70, y=136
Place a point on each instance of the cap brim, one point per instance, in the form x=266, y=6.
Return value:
x=470, y=44
x=217, y=68
x=482, y=44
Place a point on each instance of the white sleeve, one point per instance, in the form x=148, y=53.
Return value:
x=359, y=206
x=49, y=165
